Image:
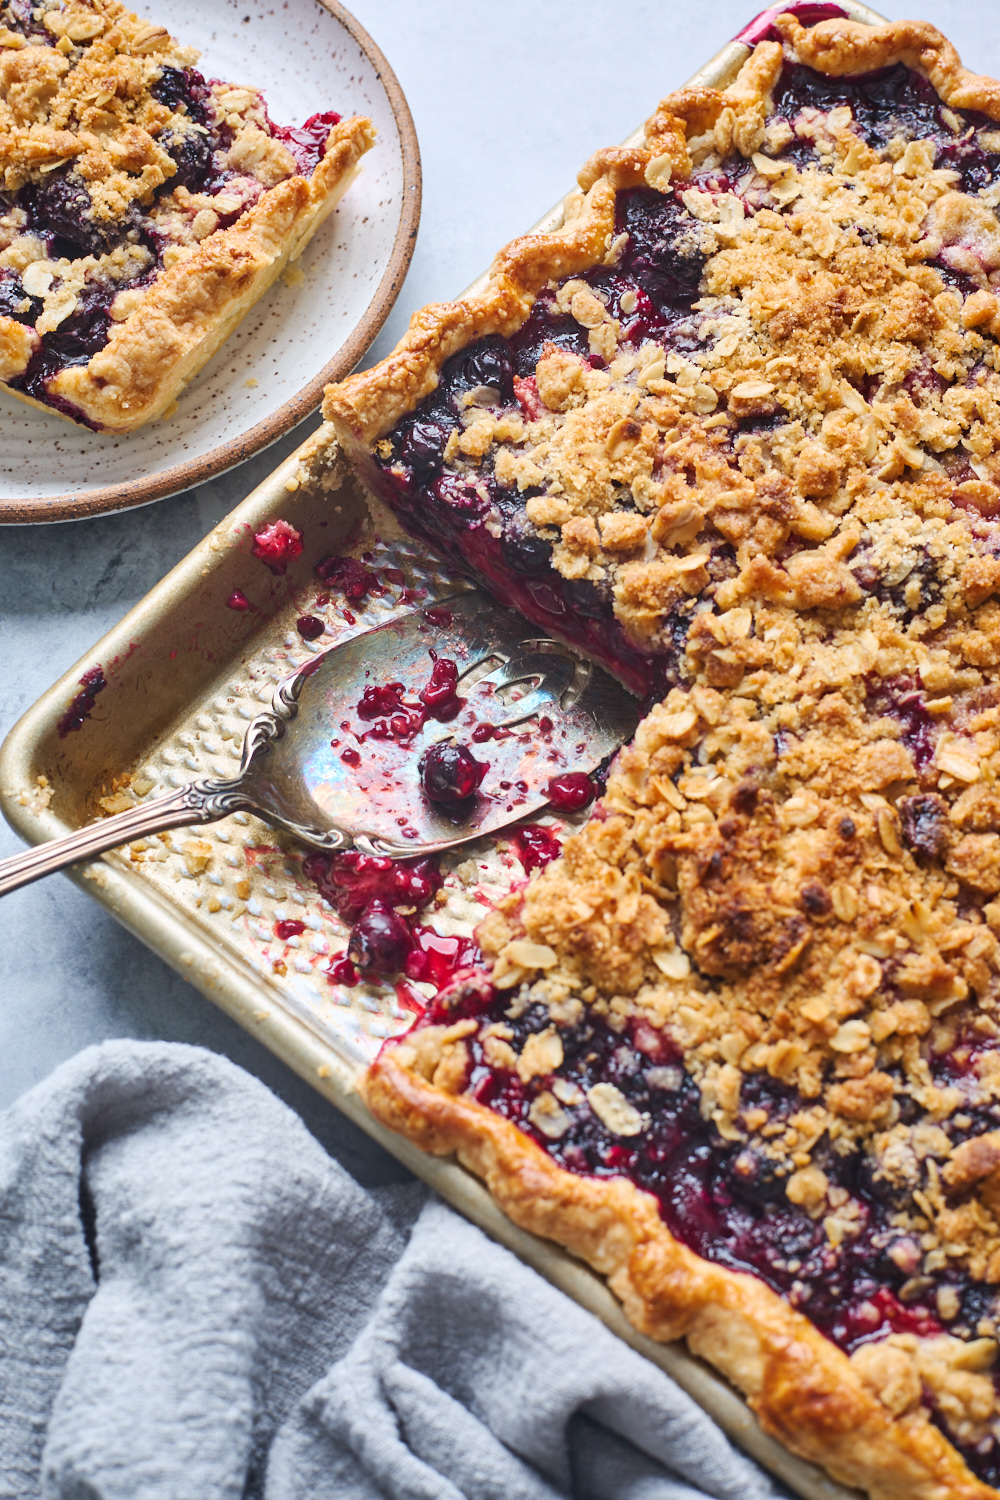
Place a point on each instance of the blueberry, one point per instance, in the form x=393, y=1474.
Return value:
x=14, y=300
x=586, y=598
x=182, y=89
x=524, y=549
x=60, y=205
x=422, y=441
x=192, y=155
x=450, y=773
x=487, y=363
x=379, y=941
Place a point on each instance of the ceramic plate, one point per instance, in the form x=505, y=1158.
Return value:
x=270, y=373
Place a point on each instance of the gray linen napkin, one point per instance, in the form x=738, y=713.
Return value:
x=197, y=1303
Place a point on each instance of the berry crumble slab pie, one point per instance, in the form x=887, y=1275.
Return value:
x=143, y=208
x=734, y=430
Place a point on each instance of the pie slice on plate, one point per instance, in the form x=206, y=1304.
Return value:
x=732, y=430
x=143, y=208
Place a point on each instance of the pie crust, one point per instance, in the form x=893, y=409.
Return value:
x=175, y=285
x=793, y=870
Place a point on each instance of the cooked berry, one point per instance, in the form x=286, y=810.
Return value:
x=186, y=88
x=379, y=941
x=571, y=791
x=310, y=628
x=450, y=773
x=925, y=824
x=14, y=300
x=192, y=154
x=277, y=545
x=524, y=548
x=60, y=205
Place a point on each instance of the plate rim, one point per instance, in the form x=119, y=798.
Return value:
x=130, y=493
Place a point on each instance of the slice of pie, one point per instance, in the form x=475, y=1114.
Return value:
x=733, y=430
x=143, y=209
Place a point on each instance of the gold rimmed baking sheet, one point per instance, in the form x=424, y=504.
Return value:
x=185, y=673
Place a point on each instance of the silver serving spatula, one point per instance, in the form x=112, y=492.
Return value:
x=555, y=711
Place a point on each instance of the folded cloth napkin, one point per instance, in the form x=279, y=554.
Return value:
x=197, y=1303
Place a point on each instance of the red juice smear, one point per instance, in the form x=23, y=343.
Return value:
x=288, y=928
x=91, y=683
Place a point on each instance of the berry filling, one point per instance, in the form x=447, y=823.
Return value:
x=380, y=897
x=571, y=792
x=725, y=1199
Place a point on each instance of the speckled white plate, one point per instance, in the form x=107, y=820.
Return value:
x=270, y=373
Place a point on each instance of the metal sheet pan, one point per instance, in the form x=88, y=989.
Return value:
x=184, y=675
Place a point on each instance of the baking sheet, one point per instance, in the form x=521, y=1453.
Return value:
x=185, y=674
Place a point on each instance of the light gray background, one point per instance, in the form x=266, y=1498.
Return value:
x=509, y=98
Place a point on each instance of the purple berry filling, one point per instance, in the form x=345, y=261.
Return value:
x=725, y=1199
x=660, y=268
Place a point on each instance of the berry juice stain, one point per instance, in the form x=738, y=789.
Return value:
x=91, y=683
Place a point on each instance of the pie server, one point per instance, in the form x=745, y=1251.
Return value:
x=562, y=713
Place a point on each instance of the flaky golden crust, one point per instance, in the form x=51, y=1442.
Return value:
x=194, y=306
x=371, y=402
x=839, y=47
x=367, y=405
x=801, y=1387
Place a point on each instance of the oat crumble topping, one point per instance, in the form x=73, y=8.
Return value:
x=763, y=438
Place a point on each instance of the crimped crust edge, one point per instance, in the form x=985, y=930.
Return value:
x=801, y=1387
